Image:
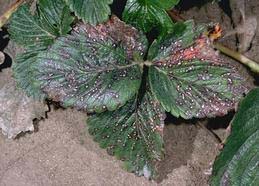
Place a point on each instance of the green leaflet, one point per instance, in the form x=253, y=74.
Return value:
x=146, y=15
x=57, y=15
x=35, y=33
x=93, y=68
x=24, y=74
x=132, y=133
x=51, y=19
x=238, y=163
x=91, y=11
x=191, y=80
x=167, y=4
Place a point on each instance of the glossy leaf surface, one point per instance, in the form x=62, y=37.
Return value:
x=91, y=11
x=238, y=163
x=146, y=15
x=132, y=133
x=191, y=79
x=93, y=68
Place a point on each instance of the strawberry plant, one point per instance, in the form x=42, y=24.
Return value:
x=239, y=160
x=81, y=55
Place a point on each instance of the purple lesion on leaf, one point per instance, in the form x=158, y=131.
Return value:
x=215, y=106
x=201, y=49
x=206, y=84
x=119, y=33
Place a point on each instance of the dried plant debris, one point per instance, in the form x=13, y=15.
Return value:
x=245, y=26
x=247, y=30
x=17, y=111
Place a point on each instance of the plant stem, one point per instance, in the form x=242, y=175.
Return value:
x=5, y=17
x=236, y=55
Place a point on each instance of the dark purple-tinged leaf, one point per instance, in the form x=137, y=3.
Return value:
x=133, y=133
x=191, y=79
x=93, y=68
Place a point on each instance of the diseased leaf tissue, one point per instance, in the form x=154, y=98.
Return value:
x=93, y=68
x=99, y=69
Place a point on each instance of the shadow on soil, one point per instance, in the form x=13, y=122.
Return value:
x=179, y=136
x=3, y=43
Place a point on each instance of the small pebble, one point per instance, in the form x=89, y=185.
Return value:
x=2, y=57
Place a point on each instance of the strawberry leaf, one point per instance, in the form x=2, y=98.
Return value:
x=57, y=15
x=24, y=74
x=93, y=68
x=51, y=19
x=35, y=33
x=238, y=162
x=146, y=15
x=167, y=4
x=91, y=11
x=183, y=31
x=191, y=79
x=132, y=133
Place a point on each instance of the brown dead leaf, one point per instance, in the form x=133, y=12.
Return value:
x=245, y=26
x=17, y=111
x=247, y=32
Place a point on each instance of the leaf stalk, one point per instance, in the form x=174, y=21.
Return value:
x=238, y=56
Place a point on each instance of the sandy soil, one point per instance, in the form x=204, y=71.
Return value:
x=61, y=152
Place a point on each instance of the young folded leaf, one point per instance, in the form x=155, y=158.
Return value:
x=133, y=133
x=146, y=15
x=93, y=68
x=191, y=79
x=238, y=163
x=91, y=11
x=35, y=33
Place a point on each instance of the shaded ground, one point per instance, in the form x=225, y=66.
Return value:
x=61, y=152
